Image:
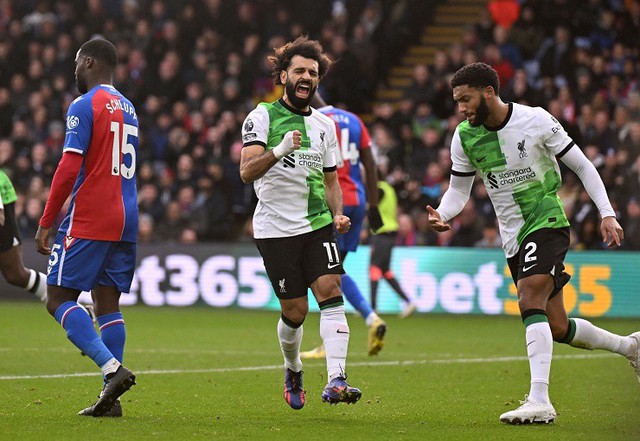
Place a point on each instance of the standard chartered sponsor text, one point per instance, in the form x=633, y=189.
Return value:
x=515, y=176
x=310, y=160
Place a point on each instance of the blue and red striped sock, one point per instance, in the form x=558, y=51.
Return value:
x=81, y=332
x=113, y=333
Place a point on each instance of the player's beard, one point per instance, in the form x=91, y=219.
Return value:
x=482, y=113
x=299, y=103
x=81, y=82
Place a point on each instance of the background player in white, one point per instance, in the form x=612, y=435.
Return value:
x=289, y=154
x=514, y=148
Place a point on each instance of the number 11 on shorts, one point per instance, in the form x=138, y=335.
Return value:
x=332, y=252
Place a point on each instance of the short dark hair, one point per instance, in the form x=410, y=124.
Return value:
x=102, y=50
x=478, y=76
x=281, y=59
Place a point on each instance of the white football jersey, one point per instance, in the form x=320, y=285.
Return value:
x=291, y=194
x=517, y=162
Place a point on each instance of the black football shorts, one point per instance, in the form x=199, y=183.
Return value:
x=293, y=263
x=542, y=252
x=9, y=232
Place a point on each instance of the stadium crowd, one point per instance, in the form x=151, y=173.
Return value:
x=194, y=69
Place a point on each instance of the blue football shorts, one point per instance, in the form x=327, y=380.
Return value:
x=84, y=264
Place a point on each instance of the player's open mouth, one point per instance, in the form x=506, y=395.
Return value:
x=303, y=90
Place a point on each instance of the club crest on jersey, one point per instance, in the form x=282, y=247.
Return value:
x=283, y=290
x=523, y=151
x=68, y=241
x=322, y=139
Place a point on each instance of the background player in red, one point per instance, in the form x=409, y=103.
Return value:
x=95, y=248
x=355, y=148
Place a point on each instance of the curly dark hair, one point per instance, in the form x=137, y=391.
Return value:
x=303, y=46
x=101, y=49
x=478, y=76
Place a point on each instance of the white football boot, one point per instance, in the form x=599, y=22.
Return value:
x=634, y=360
x=530, y=412
x=408, y=310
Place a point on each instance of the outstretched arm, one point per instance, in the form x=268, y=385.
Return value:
x=453, y=201
x=610, y=228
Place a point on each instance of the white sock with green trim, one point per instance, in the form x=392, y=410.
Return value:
x=334, y=331
x=591, y=337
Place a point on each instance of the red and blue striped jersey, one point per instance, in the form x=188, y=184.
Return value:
x=102, y=125
x=352, y=137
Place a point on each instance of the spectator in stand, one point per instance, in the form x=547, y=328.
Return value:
x=172, y=224
x=519, y=91
x=508, y=50
x=29, y=218
x=602, y=135
x=493, y=57
x=467, y=226
x=146, y=233
x=421, y=89
x=632, y=225
x=631, y=141
x=406, y=235
x=490, y=237
x=555, y=59
x=526, y=33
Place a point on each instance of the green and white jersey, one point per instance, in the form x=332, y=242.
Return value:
x=291, y=194
x=7, y=192
x=517, y=162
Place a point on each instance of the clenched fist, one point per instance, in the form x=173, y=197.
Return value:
x=342, y=223
x=290, y=142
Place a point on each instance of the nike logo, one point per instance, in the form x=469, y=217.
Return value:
x=332, y=266
x=527, y=268
x=341, y=332
x=481, y=159
x=532, y=341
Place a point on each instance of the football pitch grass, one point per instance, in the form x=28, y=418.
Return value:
x=217, y=374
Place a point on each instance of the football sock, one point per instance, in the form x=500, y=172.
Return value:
x=587, y=336
x=374, y=294
x=371, y=318
x=354, y=296
x=113, y=333
x=375, y=274
x=334, y=331
x=396, y=287
x=80, y=331
x=539, y=351
x=37, y=284
x=290, y=337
